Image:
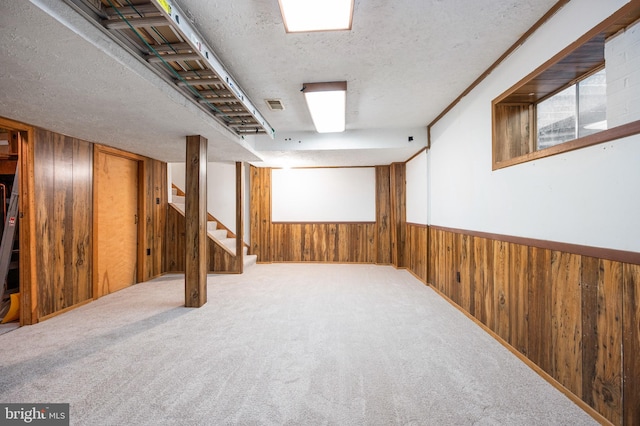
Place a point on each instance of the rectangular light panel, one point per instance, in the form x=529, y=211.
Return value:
x=316, y=15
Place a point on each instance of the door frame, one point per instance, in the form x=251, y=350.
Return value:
x=142, y=213
x=26, y=220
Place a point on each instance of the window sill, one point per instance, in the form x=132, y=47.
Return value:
x=619, y=132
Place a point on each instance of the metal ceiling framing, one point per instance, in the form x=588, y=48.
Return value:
x=164, y=38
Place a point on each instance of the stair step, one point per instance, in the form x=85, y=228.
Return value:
x=249, y=260
x=230, y=243
x=219, y=234
x=174, y=191
x=212, y=225
x=177, y=199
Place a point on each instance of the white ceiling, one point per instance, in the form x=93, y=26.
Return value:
x=404, y=62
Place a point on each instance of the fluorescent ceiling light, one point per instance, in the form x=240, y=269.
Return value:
x=316, y=15
x=327, y=105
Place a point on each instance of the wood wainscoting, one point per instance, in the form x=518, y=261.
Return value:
x=574, y=315
x=351, y=242
x=416, y=250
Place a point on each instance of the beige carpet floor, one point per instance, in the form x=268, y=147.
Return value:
x=282, y=344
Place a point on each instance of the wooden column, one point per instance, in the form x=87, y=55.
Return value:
x=195, y=276
x=239, y=219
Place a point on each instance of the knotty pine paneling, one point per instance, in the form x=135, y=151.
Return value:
x=63, y=173
x=576, y=317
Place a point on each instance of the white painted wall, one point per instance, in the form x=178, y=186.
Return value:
x=323, y=195
x=416, y=188
x=590, y=196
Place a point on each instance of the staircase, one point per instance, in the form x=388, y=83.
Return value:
x=221, y=236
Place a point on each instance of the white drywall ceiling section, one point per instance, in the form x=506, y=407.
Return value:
x=356, y=148
x=584, y=197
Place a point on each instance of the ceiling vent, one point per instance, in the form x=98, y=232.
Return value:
x=275, y=104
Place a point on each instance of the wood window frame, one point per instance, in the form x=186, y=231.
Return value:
x=513, y=113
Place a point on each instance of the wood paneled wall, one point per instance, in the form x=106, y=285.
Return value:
x=63, y=182
x=384, y=215
x=155, y=199
x=416, y=249
x=219, y=259
x=575, y=316
x=323, y=242
x=398, y=214
x=368, y=242
x=62, y=171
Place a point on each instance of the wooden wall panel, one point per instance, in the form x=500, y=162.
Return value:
x=574, y=316
x=501, y=292
x=82, y=201
x=631, y=345
x=260, y=213
x=154, y=198
x=464, y=273
x=539, y=308
x=519, y=297
x=63, y=196
x=45, y=221
x=602, y=336
x=175, y=240
x=417, y=236
x=398, y=214
x=383, y=215
x=566, y=320
x=483, y=278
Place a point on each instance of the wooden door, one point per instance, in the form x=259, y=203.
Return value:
x=117, y=222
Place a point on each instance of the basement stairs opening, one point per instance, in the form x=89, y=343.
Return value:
x=217, y=232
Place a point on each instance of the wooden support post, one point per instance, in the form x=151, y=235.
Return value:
x=195, y=277
x=239, y=219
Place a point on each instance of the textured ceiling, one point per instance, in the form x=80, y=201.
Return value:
x=404, y=62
